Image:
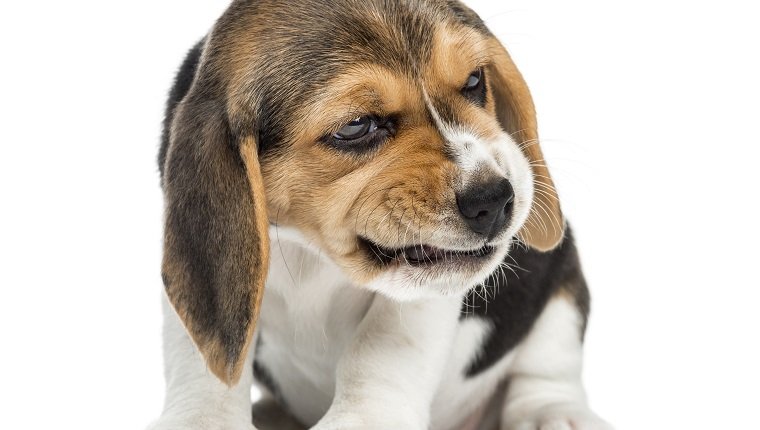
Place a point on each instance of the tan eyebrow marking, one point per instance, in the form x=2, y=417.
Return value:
x=364, y=89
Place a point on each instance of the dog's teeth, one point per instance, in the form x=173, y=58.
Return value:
x=427, y=254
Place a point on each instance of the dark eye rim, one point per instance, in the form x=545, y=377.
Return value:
x=369, y=127
x=384, y=128
x=476, y=93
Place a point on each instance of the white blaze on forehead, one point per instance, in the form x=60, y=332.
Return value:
x=471, y=152
x=483, y=159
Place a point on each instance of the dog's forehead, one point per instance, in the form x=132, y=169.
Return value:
x=328, y=36
x=312, y=39
x=282, y=53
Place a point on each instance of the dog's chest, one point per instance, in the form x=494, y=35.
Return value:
x=310, y=313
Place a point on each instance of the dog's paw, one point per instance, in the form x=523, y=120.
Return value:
x=555, y=417
x=366, y=421
x=343, y=421
x=197, y=423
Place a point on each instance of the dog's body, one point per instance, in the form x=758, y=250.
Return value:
x=366, y=326
x=311, y=312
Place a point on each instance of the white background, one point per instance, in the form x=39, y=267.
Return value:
x=649, y=112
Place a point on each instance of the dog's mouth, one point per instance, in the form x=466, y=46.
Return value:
x=424, y=255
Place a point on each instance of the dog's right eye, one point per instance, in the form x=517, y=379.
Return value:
x=362, y=134
x=356, y=129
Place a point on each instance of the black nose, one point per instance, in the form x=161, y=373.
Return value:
x=487, y=207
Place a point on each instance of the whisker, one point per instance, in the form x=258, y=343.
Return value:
x=279, y=244
x=369, y=215
x=400, y=223
x=388, y=214
x=556, y=223
x=358, y=213
x=545, y=193
x=408, y=226
x=538, y=218
x=512, y=134
x=527, y=143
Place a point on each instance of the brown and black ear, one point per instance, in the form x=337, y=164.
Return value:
x=545, y=227
x=216, y=243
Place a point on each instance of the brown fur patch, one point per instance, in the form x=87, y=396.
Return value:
x=545, y=227
x=457, y=52
x=216, y=246
x=400, y=193
x=276, y=97
x=335, y=197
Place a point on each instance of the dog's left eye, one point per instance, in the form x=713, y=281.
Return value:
x=475, y=89
x=357, y=129
x=473, y=81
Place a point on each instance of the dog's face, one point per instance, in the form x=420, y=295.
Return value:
x=398, y=137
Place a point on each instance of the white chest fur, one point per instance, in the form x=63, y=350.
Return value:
x=310, y=314
x=342, y=357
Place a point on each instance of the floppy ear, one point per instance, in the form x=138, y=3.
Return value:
x=216, y=243
x=545, y=226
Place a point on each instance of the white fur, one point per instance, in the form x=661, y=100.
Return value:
x=471, y=152
x=389, y=374
x=545, y=387
x=458, y=396
x=346, y=358
x=497, y=157
x=391, y=354
x=409, y=283
x=329, y=343
x=381, y=356
x=309, y=315
x=195, y=398
x=500, y=157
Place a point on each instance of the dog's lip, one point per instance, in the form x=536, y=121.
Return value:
x=421, y=255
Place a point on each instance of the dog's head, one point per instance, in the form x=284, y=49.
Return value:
x=397, y=136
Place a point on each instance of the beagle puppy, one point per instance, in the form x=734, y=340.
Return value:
x=358, y=217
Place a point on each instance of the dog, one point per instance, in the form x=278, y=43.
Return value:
x=359, y=218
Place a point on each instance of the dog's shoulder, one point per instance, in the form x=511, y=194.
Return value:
x=513, y=297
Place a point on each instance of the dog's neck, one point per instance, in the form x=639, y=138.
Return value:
x=296, y=262
x=307, y=283
x=310, y=312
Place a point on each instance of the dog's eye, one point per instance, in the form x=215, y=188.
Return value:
x=362, y=134
x=474, y=80
x=475, y=89
x=357, y=129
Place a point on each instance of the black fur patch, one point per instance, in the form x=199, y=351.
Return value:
x=213, y=255
x=306, y=44
x=467, y=16
x=210, y=239
x=517, y=298
x=265, y=378
x=182, y=83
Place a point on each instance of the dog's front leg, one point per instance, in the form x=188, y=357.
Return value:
x=195, y=398
x=387, y=377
